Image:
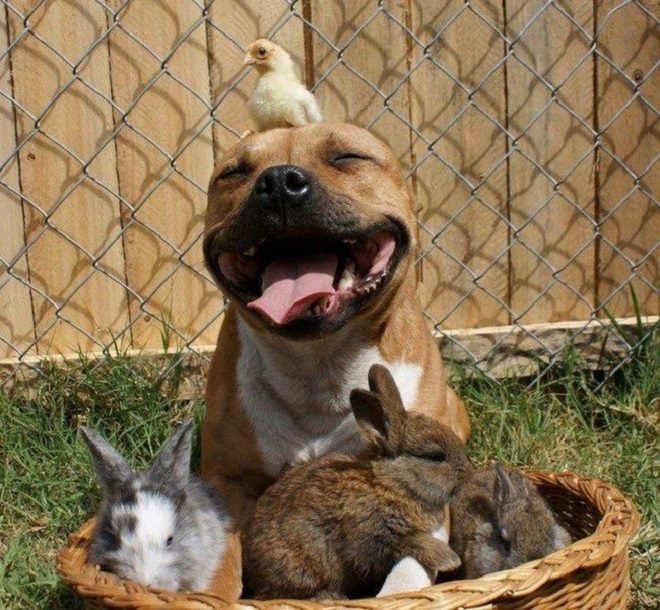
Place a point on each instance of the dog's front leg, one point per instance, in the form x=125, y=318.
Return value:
x=227, y=582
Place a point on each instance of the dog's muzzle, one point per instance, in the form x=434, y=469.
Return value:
x=297, y=255
x=282, y=187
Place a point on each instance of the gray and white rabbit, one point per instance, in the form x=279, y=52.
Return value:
x=499, y=520
x=335, y=527
x=163, y=527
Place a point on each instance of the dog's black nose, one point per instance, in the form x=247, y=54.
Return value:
x=282, y=186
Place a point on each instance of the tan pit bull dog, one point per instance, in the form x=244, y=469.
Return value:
x=310, y=232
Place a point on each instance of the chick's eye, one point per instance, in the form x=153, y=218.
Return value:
x=169, y=541
x=261, y=51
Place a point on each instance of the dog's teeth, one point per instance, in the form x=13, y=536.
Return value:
x=316, y=310
x=350, y=242
x=250, y=251
x=323, y=304
x=347, y=279
x=371, y=286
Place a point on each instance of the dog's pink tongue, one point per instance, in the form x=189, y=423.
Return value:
x=291, y=285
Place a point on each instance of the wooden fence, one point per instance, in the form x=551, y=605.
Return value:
x=529, y=129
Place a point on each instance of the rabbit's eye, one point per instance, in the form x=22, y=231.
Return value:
x=110, y=535
x=169, y=541
x=435, y=456
x=112, y=540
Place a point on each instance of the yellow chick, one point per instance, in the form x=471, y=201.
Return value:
x=279, y=98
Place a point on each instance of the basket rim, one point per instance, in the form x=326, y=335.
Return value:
x=620, y=520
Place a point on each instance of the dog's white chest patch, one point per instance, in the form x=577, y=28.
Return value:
x=299, y=407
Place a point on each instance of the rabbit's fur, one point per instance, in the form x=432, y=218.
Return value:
x=163, y=527
x=335, y=527
x=499, y=520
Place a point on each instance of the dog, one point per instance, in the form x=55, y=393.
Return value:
x=310, y=232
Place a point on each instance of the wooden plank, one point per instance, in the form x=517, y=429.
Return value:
x=165, y=160
x=72, y=222
x=461, y=178
x=553, y=246
x=515, y=351
x=628, y=170
x=361, y=59
x=233, y=26
x=16, y=323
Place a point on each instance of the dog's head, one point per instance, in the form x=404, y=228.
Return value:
x=308, y=228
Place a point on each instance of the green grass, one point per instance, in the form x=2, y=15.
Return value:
x=47, y=486
x=561, y=424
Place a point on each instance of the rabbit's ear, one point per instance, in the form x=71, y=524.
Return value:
x=379, y=411
x=382, y=383
x=370, y=417
x=173, y=461
x=509, y=486
x=112, y=470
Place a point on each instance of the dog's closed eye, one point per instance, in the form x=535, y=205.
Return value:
x=344, y=158
x=234, y=171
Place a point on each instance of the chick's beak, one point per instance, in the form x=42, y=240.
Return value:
x=249, y=60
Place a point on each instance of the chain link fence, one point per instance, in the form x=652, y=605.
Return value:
x=528, y=131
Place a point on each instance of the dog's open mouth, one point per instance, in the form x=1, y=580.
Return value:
x=309, y=276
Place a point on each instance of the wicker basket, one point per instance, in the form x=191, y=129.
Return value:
x=591, y=573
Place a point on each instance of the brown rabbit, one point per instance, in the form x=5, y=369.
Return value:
x=499, y=521
x=334, y=528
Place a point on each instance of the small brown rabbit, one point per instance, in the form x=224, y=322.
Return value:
x=499, y=520
x=334, y=528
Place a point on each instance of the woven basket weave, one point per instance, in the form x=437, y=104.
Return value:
x=592, y=573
